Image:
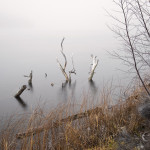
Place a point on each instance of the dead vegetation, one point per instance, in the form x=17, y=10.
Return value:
x=67, y=127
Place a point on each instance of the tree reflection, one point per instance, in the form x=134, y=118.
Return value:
x=30, y=87
x=21, y=102
x=67, y=87
x=72, y=88
x=93, y=87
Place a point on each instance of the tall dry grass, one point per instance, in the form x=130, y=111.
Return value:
x=94, y=128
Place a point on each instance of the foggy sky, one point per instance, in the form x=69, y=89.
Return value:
x=48, y=15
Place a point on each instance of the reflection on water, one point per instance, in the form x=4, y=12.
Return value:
x=93, y=87
x=67, y=90
x=30, y=87
x=63, y=92
x=64, y=85
x=21, y=102
x=22, y=53
x=72, y=87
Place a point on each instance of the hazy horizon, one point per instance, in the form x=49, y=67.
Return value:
x=30, y=35
x=54, y=15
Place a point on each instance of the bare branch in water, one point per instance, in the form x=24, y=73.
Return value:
x=63, y=69
x=94, y=65
x=20, y=91
x=30, y=78
x=73, y=69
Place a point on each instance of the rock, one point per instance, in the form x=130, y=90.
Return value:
x=147, y=146
x=125, y=141
x=144, y=110
x=146, y=137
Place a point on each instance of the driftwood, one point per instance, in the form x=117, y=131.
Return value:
x=56, y=124
x=30, y=78
x=20, y=91
x=94, y=65
x=63, y=69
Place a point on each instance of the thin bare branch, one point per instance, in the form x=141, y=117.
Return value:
x=63, y=53
x=134, y=31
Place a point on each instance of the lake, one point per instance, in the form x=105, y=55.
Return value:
x=22, y=52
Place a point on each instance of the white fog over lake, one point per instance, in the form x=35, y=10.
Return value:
x=31, y=32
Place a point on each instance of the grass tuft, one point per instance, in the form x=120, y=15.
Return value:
x=66, y=128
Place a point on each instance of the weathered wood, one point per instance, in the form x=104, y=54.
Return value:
x=30, y=78
x=20, y=91
x=73, y=69
x=56, y=124
x=63, y=69
x=94, y=65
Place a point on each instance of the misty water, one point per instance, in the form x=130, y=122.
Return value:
x=23, y=52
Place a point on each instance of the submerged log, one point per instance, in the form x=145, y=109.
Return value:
x=20, y=91
x=58, y=123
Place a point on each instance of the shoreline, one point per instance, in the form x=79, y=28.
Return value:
x=121, y=126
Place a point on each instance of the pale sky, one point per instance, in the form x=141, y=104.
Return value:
x=51, y=15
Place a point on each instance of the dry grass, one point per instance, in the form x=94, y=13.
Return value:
x=90, y=129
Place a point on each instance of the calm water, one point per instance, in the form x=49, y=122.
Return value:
x=23, y=52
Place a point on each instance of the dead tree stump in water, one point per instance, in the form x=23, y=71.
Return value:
x=94, y=65
x=30, y=80
x=20, y=91
x=63, y=69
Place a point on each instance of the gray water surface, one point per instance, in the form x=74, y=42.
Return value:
x=22, y=52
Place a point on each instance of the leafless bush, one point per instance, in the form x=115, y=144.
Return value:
x=132, y=27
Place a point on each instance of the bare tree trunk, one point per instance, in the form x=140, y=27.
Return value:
x=73, y=69
x=63, y=69
x=94, y=65
x=30, y=80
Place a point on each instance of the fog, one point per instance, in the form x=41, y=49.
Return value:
x=30, y=35
x=50, y=15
